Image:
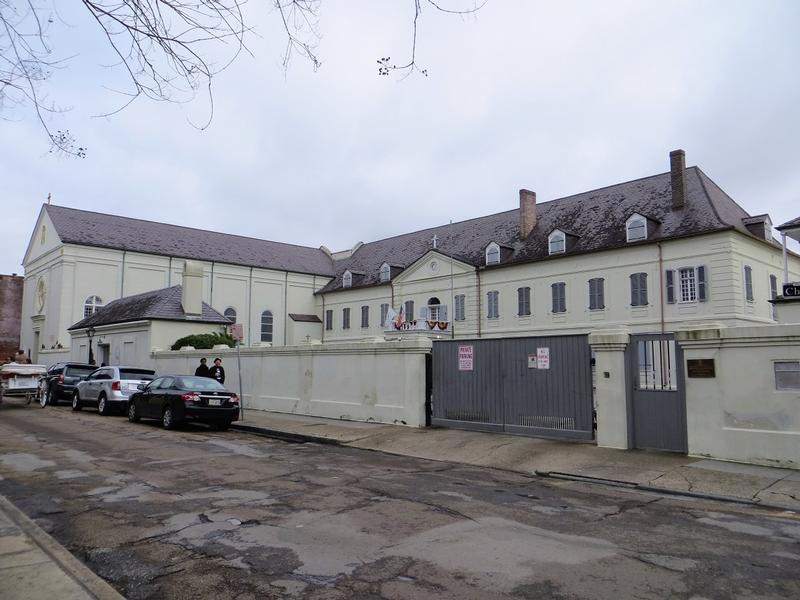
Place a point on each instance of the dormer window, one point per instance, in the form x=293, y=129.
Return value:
x=636, y=228
x=557, y=242
x=386, y=272
x=492, y=254
x=347, y=279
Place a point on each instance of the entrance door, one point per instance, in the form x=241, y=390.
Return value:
x=657, y=401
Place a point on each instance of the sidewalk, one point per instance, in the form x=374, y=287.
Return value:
x=645, y=470
x=33, y=566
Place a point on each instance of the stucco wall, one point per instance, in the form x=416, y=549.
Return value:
x=739, y=414
x=368, y=381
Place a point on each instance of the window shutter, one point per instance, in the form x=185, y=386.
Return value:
x=601, y=293
x=562, y=293
x=701, y=284
x=443, y=312
x=670, y=287
x=635, y=289
x=642, y=289
x=554, y=289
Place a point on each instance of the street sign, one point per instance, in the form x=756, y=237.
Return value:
x=791, y=290
x=543, y=358
x=465, y=357
x=237, y=332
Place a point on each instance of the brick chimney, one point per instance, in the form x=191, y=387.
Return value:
x=527, y=212
x=192, y=288
x=677, y=167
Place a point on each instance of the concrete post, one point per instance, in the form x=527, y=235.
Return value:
x=611, y=386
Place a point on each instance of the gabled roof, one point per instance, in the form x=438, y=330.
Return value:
x=789, y=224
x=159, y=305
x=89, y=228
x=597, y=217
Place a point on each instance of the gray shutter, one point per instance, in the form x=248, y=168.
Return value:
x=601, y=293
x=554, y=289
x=443, y=312
x=670, y=287
x=642, y=289
x=635, y=289
x=701, y=284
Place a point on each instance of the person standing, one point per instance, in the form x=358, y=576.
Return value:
x=202, y=370
x=217, y=372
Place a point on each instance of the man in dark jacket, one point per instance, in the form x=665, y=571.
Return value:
x=202, y=370
x=217, y=372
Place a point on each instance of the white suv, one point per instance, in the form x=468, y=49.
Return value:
x=109, y=388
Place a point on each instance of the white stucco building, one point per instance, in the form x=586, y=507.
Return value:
x=654, y=254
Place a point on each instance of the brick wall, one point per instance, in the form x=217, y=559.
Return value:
x=10, y=314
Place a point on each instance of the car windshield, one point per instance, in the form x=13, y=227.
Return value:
x=80, y=371
x=137, y=374
x=199, y=383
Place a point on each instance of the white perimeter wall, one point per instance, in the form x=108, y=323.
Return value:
x=375, y=381
x=739, y=414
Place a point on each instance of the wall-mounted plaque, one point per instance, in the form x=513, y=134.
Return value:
x=700, y=367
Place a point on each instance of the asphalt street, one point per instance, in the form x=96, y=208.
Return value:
x=197, y=513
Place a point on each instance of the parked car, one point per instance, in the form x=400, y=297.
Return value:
x=175, y=399
x=109, y=388
x=61, y=379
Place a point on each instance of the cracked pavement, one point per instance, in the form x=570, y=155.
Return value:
x=203, y=514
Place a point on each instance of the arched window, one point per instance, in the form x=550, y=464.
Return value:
x=347, y=279
x=266, y=326
x=636, y=228
x=557, y=242
x=492, y=254
x=386, y=272
x=92, y=304
x=434, y=309
x=230, y=314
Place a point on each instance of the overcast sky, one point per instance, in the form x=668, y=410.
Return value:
x=557, y=97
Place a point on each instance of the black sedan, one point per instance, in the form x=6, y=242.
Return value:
x=176, y=399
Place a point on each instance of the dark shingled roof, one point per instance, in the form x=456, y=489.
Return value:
x=123, y=233
x=596, y=217
x=159, y=305
x=789, y=224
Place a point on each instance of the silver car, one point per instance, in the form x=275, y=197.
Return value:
x=108, y=388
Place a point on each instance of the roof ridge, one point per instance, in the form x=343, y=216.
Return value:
x=245, y=237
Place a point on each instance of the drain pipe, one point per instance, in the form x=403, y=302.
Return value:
x=661, y=284
x=480, y=314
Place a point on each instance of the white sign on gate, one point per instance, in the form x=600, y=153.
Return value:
x=465, y=358
x=543, y=358
x=532, y=364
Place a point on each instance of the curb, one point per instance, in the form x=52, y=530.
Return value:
x=659, y=490
x=93, y=584
x=295, y=438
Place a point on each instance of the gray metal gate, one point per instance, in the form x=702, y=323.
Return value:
x=540, y=386
x=656, y=394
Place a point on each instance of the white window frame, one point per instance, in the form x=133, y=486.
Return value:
x=775, y=372
x=493, y=250
x=632, y=220
x=691, y=289
x=92, y=305
x=347, y=279
x=267, y=326
x=557, y=236
x=385, y=273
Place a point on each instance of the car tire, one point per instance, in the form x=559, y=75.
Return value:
x=168, y=418
x=102, y=405
x=76, y=402
x=133, y=413
x=44, y=398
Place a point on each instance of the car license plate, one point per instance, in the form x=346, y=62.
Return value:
x=214, y=402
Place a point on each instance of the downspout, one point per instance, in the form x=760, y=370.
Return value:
x=480, y=317
x=285, y=308
x=324, y=318
x=661, y=284
x=785, y=260
x=169, y=273
x=211, y=293
x=250, y=309
x=122, y=283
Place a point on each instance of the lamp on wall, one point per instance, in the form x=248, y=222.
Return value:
x=90, y=335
